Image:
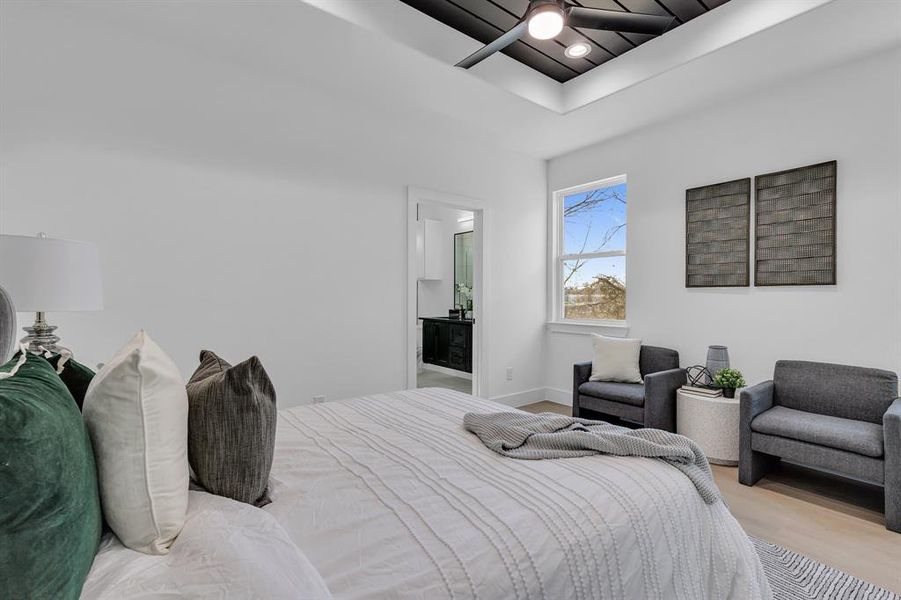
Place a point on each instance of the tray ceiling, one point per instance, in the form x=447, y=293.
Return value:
x=486, y=20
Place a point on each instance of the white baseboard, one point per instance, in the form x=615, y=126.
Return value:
x=517, y=399
x=558, y=396
x=521, y=398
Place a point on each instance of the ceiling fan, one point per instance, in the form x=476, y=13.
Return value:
x=544, y=19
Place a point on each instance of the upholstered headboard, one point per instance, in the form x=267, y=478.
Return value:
x=7, y=326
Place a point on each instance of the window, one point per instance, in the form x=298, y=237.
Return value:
x=589, y=267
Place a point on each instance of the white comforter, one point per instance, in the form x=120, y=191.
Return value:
x=390, y=497
x=227, y=549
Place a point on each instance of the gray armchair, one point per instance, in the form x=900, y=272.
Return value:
x=836, y=417
x=652, y=403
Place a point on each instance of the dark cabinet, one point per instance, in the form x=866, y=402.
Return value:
x=447, y=343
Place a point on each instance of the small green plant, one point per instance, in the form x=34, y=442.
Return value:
x=729, y=379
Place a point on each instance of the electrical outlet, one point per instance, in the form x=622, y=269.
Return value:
x=509, y=373
x=318, y=399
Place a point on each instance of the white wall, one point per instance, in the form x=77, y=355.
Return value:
x=249, y=212
x=849, y=113
x=255, y=205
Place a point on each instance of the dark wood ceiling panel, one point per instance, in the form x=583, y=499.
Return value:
x=604, y=4
x=611, y=42
x=517, y=7
x=452, y=15
x=624, y=44
x=599, y=53
x=632, y=40
x=648, y=7
x=498, y=15
x=486, y=20
x=685, y=9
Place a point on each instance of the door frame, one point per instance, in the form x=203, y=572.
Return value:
x=479, y=208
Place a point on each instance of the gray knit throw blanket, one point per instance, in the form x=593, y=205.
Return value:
x=550, y=435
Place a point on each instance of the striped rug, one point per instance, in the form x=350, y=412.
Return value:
x=796, y=577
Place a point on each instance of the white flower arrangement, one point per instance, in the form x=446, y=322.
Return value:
x=465, y=294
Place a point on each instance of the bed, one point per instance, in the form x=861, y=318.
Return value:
x=387, y=496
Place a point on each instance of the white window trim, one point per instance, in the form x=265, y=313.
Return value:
x=555, y=320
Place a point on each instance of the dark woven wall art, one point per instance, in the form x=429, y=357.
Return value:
x=717, y=235
x=795, y=226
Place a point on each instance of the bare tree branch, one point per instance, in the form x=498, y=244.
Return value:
x=587, y=204
x=579, y=262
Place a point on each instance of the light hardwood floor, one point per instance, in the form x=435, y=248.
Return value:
x=829, y=519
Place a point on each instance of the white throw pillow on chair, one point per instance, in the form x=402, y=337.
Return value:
x=136, y=410
x=616, y=359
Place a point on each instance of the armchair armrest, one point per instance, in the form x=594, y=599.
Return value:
x=752, y=401
x=755, y=400
x=581, y=373
x=660, y=398
x=891, y=432
x=891, y=421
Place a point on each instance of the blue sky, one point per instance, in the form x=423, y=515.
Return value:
x=597, y=230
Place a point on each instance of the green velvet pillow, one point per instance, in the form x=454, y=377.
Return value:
x=49, y=503
x=75, y=375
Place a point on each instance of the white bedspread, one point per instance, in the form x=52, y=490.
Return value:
x=227, y=549
x=390, y=497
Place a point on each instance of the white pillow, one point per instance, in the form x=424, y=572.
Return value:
x=227, y=549
x=616, y=359
x=136, y=410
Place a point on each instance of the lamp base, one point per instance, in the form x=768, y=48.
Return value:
x=40, y=336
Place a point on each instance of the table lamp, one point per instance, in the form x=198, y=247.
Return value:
x=43, y=274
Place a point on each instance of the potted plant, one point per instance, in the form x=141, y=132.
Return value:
x=729, y=380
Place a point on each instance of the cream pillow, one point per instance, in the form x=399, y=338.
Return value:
x=616, y=359
x=136, y=410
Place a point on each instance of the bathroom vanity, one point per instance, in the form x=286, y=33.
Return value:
x=447, y=342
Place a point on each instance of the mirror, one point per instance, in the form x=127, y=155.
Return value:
x=463, y=270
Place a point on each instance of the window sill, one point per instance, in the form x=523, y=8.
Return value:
x=611, y=328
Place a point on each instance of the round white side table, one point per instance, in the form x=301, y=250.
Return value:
x=712, y=423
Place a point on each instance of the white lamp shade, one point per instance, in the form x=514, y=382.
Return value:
x=44, y=274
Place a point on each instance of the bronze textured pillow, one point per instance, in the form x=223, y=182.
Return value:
x=231, y=428
x=49, y=502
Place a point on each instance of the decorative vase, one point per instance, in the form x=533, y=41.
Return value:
x=717, y=359
x=729, y=392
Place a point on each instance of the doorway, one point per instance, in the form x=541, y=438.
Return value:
x=445, y=306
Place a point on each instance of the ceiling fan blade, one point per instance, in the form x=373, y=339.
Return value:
x=497, y=45
x=615, y=20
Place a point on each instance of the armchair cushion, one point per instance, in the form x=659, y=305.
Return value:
x=654, y=359
x=844, y=434
x=843, y=391
x=626, y=393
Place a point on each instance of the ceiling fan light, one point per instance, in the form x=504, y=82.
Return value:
x=577, y=50
x=546, y=22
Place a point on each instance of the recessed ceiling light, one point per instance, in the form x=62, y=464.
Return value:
x=577, y=50
x=546, y=22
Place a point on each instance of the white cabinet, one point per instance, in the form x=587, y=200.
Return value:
x=428, y=248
